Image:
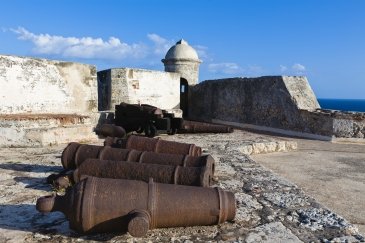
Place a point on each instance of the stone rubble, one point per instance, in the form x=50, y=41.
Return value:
x=269, y=208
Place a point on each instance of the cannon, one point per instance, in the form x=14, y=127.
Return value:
x=203, y=127
x=96, y=205
x=191, y=176
x=75, y=153
x=110, y=130
x=154, y=145
x=145, y=118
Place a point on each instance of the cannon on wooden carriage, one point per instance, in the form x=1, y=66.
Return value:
x=145, y=118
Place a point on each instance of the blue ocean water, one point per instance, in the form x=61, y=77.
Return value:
x=342, y=104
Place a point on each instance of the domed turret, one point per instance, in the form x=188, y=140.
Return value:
x=183, y=59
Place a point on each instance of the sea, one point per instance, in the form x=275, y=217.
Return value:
x=343, y=104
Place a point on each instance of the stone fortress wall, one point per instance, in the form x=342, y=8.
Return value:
x=30, y=85
x=278, y=104
x=45, y=102
x=138, y=86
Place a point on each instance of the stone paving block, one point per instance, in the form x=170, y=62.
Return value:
x=272, y=232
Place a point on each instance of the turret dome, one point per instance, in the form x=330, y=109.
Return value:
x=182, y=50
x=183, y=59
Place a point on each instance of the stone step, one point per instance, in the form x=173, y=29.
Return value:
x=43, y=120
x=37, y=130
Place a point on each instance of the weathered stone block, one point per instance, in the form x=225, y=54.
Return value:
x=133, y=86
x=30, y=85
x=277, y=104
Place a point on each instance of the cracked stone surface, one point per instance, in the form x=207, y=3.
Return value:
x=269, y=208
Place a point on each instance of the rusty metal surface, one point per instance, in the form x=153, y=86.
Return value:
x=136, y=109
x=110, y=130
x=74, y=154
x=139, y=118
x=154, y=145
x=146, y=118
x=68, y=155
x=116, y=205
x=203, y=127
x=190, y=176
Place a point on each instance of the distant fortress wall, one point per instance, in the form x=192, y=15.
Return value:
x=31, y=85
x=279, y=104
x=45, y=102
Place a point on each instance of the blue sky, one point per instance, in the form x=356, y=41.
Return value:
x=321, y=39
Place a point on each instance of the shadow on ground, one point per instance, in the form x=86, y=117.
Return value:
x=30, y=167
x=25, y=217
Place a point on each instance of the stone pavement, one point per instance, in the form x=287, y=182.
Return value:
x=333, y=173
x=269, y=208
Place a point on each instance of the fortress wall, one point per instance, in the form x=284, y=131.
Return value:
x=161, y=89
x=273, y=102
x=347, y=125
x=279, y=104
x=45, y=102
x=30, y=85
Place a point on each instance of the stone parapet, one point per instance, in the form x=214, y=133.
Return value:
x=272, y=101
x=276, y=104
x=30, y=85
x=38, y=130
x=46, y=102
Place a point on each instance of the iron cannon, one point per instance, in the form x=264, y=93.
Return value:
x=111, y=130
x=116, y=205
x=145, y=118
x=75, y=153
x=191, y=176
x=154, y=145
x=203, y=127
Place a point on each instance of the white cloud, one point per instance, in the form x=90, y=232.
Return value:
x=202, y=52
x=161, y=45
x=283, y=68
x=298, y=68
x=255, y=70
x=84, y=47
x=225, y=67
x=295, y=69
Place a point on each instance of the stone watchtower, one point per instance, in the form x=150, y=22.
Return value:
x=182, y=58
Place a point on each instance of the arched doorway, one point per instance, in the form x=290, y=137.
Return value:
x=184, y=102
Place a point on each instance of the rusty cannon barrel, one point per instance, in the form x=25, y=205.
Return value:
x=110, y=130
x=154, y=145
x=132, y=109
x=96, y=205
x=203, y=127
x=75, y=154
x=190, y=176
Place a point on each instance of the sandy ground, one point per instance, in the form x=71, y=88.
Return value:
x=333, y=173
